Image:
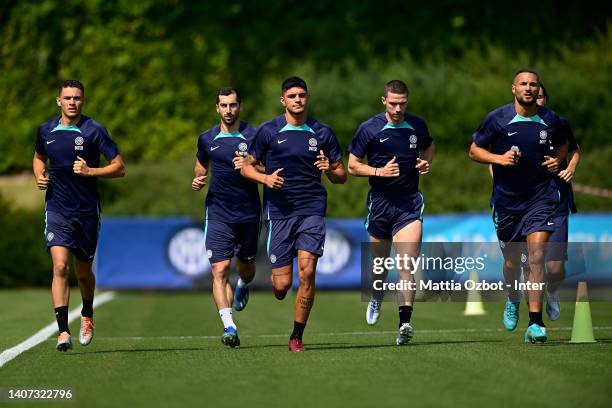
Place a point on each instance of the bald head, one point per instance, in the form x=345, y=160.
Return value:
x=520, y=73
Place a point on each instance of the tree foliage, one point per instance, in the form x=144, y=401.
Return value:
x=151, y=67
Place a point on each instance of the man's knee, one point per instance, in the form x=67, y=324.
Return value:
x=555, y=268
x=220, y=271
x=61, y=269
x=536, y=256
x=306, y=273
x=512, y=263
x=281, y=283
x=85, y=276
x=246, y=271
x=84, y=272
x=280, y=289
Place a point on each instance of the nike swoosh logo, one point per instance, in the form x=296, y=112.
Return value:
x=50, y=141
x=214, y=148
x=383, y=140
x=281, y=141
x=512, y=133
x=550, y=223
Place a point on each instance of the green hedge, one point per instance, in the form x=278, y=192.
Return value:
x=22, y=245
x=151, y=67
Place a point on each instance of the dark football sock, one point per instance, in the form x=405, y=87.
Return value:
x=405, y=313
x=87, y=310
x=536, y=317
x=61, y=315
x=298, y=330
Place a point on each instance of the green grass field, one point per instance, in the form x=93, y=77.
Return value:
x=154, y=349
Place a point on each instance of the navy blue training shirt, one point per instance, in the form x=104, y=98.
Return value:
x=68, y=193
x=295, y=149
x=231, y=197
x=516, y=188
x=380, y=140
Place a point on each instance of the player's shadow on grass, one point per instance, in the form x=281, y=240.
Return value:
x=341, y=346
x=565, y=342
x=141, y=350
x=317, y=346
x=330, y=346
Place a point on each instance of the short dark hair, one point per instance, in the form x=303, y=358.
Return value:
x=228, y=90
x=521, y=71
x=396, y=86
x=544, y=91
x=292, y=83
x=72, y=83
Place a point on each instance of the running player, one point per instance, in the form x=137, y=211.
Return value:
x=71, y=145
x=232, y=208
x=556, y=254
x=295, y=149
x=398, y=148
x=516, y=139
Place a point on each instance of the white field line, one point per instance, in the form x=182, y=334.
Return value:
x=49, y=330
x=359, y=333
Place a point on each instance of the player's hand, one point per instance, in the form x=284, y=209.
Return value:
x=42, y=181
x=567, y=175
x=510, y=158
x=80, y=167
x=391, y=169
x=238, y=160
x=198, y=183
x=551, y=164
x=322, y=162
x=274, y=181
x=422, y=166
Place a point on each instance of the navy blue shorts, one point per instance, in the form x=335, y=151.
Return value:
x=514, y=227
x=79, y=234
x=556, y=249
x=387, y=217
x=286, y=236
x=557, y=243
x=224, y=240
